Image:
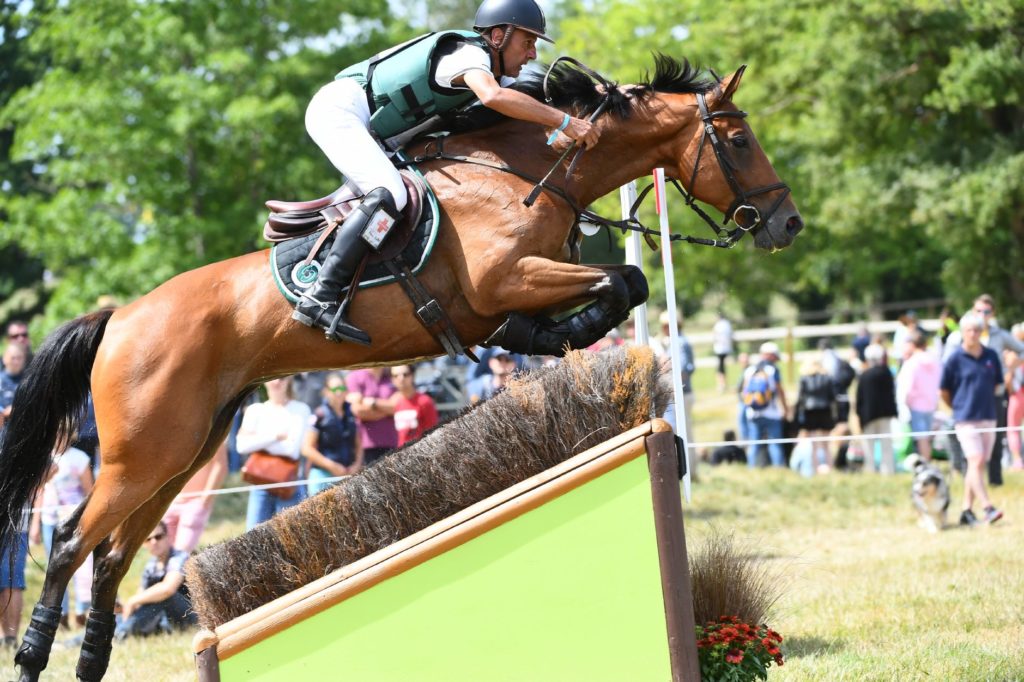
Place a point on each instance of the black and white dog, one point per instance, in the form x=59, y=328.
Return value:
x=929, y=492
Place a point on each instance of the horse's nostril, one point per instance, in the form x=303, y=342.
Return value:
x=794, y=225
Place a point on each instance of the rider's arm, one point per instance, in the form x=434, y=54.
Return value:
x=515, y=104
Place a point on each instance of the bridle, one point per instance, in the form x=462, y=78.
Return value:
x=740, y=207
x=741, y=198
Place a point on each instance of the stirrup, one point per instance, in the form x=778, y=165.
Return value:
x=338, y=330
x=301, y=316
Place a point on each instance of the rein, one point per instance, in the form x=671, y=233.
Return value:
x=726, y=240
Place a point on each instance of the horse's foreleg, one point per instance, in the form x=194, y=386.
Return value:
x=543, y=283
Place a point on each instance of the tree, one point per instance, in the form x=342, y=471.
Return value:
x=157, y=130
x=21, y=287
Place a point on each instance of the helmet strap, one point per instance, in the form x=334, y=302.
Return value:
x=500, y=48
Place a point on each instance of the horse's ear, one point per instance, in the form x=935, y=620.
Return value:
x=730, y=84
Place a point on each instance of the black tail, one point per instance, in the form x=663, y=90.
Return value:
x=48, y=407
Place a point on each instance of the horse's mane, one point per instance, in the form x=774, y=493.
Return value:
x=571, y=88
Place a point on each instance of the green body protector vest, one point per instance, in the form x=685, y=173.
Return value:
x=400, y=86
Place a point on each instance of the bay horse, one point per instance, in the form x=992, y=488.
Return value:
x=168, y=371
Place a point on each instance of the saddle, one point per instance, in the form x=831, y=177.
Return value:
x=291, y=219
x=301, y=230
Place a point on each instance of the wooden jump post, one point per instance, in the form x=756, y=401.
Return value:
x=579, y=572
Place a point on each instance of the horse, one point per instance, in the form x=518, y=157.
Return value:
x=168, y=371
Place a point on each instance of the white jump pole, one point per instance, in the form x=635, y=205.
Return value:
x=634, y=256
x=673, y=320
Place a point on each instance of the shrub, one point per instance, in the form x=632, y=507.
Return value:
x=733, y=592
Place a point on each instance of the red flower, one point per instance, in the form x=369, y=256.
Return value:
x=734, y=656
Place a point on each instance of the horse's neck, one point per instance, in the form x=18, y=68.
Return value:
x=630, y=149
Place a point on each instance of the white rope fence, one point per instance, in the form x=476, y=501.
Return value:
x=693, y=446
x=892, y=435
x=221, y=491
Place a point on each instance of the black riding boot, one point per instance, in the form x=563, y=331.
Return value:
x=320, y=305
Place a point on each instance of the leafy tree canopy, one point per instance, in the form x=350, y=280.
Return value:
x=155, y=131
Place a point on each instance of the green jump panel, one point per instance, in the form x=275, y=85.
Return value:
x=568, y=591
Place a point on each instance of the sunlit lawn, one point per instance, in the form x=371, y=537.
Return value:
x=869, y=596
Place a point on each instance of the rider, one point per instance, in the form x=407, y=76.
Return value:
x=394, y=92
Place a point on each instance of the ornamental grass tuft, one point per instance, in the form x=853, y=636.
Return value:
x=734, y=591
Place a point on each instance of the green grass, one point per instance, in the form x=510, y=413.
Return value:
x=868, y=595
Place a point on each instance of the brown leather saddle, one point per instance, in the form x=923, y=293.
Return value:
x=291, y=219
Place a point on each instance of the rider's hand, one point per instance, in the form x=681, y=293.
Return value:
x=582, y=131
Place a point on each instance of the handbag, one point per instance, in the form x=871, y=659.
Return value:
x=262, y=468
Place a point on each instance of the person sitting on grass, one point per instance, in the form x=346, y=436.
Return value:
x=162, y=602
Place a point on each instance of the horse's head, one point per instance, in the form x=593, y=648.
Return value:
x=723, y=165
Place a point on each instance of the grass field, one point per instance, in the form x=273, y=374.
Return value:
x=869, y=596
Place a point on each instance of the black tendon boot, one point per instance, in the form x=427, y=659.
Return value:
x=34, y=653
x=541, y=336
x=96, y=646
x=363, y=230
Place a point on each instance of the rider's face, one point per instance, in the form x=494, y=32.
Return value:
x=521, y=49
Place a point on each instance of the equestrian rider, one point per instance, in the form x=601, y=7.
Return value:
x=395, y=91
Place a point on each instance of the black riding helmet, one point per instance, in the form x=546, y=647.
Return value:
x=512, y=14
x=524, y=14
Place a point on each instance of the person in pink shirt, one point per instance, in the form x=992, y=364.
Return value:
x=369, y=394
x=1013, y=363
x=917, y=389
x=415, y=412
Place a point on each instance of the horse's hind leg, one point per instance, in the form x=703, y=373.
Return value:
x=114, y=555
x=34, y=652
x=112, y=560
x=119, y=491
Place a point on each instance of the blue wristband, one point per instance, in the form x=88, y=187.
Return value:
x=554, y=135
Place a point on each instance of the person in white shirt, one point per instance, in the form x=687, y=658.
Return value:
x=276, y=427
x=70, y=483
x=721, y=344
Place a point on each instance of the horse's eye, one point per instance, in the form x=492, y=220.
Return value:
x=739, y=141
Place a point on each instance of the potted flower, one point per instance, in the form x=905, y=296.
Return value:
x=730, y=650
x=737, y=581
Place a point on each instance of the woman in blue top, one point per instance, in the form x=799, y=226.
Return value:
x=332, y=445
x=971, y=378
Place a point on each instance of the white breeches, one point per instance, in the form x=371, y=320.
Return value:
x=338, y=120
